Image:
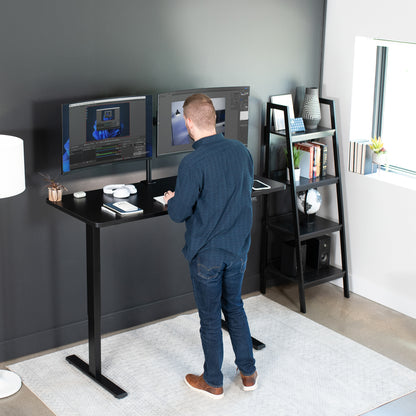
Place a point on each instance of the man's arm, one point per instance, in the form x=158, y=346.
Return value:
x=181, y=203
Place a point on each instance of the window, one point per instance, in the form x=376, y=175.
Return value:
x=385, y=72
x=395, y=122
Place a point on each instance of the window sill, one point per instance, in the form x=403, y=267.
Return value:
x=403, y=181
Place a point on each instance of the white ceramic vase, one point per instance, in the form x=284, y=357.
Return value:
x=311, y=112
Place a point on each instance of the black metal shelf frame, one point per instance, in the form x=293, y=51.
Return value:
x=295, y=225
x=304, y=183
x=307, y=230
x=311, y=277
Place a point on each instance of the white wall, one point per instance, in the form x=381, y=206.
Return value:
x=380, y=215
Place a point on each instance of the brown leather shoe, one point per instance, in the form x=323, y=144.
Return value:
x=249, y=382
x=198, y=383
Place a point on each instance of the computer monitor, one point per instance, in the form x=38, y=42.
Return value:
x=231, y=105
x=106, y=131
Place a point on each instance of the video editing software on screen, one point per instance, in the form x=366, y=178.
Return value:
x=231, y=106
x=105, y=131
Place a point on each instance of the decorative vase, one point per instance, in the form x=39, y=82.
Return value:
x=54, y=194
x=311, y=111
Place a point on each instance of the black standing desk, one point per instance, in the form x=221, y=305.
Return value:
x=88, y=210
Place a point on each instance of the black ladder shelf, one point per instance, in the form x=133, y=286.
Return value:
x=291, y=226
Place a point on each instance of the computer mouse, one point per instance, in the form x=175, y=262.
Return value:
x=122, y=192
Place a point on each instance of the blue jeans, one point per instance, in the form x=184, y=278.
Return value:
x=217, y=279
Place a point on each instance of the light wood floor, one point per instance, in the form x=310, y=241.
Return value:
x=377, y=327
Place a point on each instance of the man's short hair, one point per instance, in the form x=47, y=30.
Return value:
x=200, y=109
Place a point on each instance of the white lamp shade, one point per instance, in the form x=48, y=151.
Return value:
x=12, y=166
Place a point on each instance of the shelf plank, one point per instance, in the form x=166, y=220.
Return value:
x=301, y=136
x=304, y=183
x=310, y=277
x=320, y=226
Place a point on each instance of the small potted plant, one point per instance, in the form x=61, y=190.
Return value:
x=379, y=151
x=297, y=155
x=54, y=188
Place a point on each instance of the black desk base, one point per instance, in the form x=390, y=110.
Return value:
x=257, y=345
x=115, y=390
x=99, y=378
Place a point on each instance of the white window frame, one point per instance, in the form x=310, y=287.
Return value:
x=369, y=94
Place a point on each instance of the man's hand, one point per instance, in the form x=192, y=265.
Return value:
x=168, y=195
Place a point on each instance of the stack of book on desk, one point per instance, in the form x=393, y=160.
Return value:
x=360, y=157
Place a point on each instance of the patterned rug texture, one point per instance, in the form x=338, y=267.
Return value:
x=305, y=369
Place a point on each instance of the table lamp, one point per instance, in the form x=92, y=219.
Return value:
x=12, y=182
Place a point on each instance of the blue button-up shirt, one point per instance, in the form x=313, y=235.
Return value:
x=213, y=197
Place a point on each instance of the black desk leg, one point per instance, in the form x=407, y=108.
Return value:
x=263, y=247
x=257, y=345
x=93, y=369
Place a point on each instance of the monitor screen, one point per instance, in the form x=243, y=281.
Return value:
x=106, y=131
x=231, y=105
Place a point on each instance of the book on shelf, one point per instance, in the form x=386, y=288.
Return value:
x=306, y=163
x=351, y=156
x=316, y=160
x=323, y=157
x=356, y=147
x=355, y=154
x=360, y=157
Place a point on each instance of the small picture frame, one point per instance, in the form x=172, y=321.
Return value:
x=278, y=115
x=296, y=124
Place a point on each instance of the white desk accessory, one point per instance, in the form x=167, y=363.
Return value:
x=120, y=190
x=122, y=207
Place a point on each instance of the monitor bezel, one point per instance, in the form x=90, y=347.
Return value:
x=148, y=98
x=186, y=148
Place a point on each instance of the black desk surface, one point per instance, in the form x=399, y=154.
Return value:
x=88, y=209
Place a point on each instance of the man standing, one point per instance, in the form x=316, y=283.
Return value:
x=213, y=197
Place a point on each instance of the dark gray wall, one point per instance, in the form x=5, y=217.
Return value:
x=56, y=51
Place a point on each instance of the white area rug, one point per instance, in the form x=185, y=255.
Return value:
x=305, y=369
